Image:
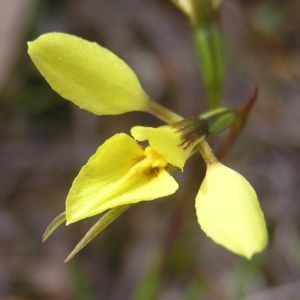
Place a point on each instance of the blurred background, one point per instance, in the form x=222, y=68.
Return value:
x=156, y=249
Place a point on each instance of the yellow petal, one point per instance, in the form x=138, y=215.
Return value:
x=120, y=172
x=228, y=211
x=87, y=74
x=174, y=142
x=165, y=141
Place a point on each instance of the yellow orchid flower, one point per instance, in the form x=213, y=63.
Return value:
x=121, y=172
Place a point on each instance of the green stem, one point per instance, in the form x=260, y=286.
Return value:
x=208, y=46
x=207, y=153
x=162, y=112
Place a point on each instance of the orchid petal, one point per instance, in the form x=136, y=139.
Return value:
x=87, y=74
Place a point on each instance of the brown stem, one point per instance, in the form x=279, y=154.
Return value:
x=237, y=127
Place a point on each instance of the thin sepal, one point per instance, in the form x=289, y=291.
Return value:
x=53, y=225
x=102, y=223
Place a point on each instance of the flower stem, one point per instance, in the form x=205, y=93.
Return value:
x=207, y=153
x=162, y=112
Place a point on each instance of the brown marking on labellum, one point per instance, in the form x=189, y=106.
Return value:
x=138, y=159
x=152, y=173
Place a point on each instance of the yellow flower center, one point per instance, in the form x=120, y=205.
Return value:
x=154, y=158
x=150, y=165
